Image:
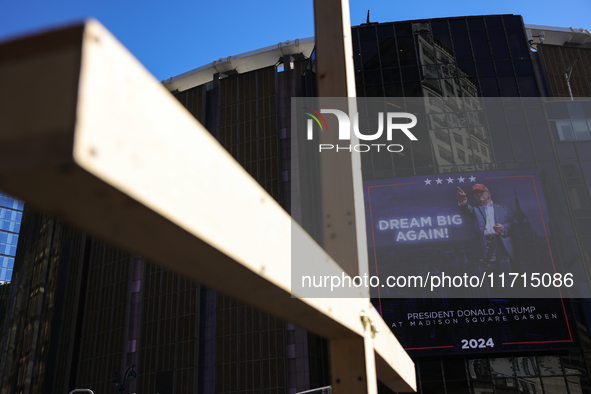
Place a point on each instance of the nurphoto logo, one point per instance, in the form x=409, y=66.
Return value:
x=345, y=130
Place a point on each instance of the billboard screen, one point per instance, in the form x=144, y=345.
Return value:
x=492, y=226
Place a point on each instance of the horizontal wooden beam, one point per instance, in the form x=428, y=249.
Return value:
x=89, y=136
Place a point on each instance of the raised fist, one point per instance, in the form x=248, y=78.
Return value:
x=461, y=195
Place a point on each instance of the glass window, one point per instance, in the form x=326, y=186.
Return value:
x=527, y=86
x=439, y=26
x=457, y=24
x=488, y=86
x=549, y=365
x=406, y=51
x=476, y=24
x=508, y=86
x=506, y=385
x=504, y=68
x=462, y=46
x=581, y=129
x=498, y=43
x=482, y=387
x=458, y=138
x=469, y=69
x=512, y=22
x=496, y=117
x=501, y=367
x=443, y=40
x=454, y=369
x=403, y=29
x=374, y=91
x=515, y=116
x=480, y=45
x=385, y=31
x=573, y=363
x=565, y=130
x=449, y=89
x=457, y=387
x=461, y=155
x=564, y=227
x=431, y=79
x=566, y=151
x=579, y=199
x=554, y=385
x=393, y=90
x=548, y=169
x=535, y=115
x=523, y=67
x=372, y=77
x=521, y=143
x=438, y=121
x=436, y=102
x=410, y=74
x=428, y=53
x=479, y=369
x=445, y=154
x=529, y=385
x=388, y=53
x=517, y=44
x=578, y=385
x=412, y=89
x=422, y=155
x=555, y=197
x=571, y=169
x=575, y=110
x=367, y=33
x=493, y=22
x=369, y=55
x=501, y=143
x=391, y=75
x=442, y=135
x=584, y=150
x=452, y=119
x=557, y=111
x=430, y=370
x=432, y=387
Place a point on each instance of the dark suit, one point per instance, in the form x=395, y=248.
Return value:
x=479, y=249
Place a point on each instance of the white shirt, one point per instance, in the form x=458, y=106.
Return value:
x=489, y=213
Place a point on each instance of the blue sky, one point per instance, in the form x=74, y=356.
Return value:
x=173, y=37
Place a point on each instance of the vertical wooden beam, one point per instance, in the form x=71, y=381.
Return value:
x=341, y=189
x=334, y=49
x=353, y=365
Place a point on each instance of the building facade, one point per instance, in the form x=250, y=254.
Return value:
x=81, y=312
x=497, y=57
x=10, y=219
x=79, y=309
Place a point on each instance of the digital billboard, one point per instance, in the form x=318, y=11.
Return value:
x=489, y=226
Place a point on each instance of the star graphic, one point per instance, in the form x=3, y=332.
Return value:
x=450, y=180
x=438, y=181
x=461, y=179
x=472, y=179
x=427, y=181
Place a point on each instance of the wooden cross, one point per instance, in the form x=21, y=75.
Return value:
x=88, y=136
